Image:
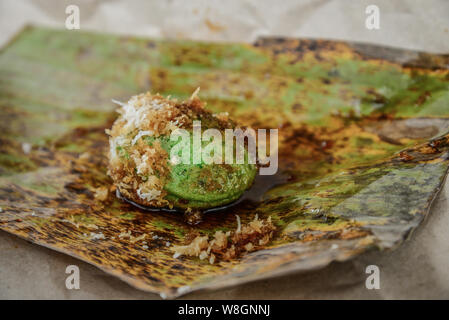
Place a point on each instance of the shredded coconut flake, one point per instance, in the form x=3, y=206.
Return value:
x=239, y=224
x=143, y=165
x=125, y=235
x=136, y=239
x=132, y=116
x=97, y=236
x=118, y=141
x=148, y=195
x=140, y=135
x=119, y=102
x=101, y=193
x=195, y=93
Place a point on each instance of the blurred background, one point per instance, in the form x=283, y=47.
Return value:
x=413, y=24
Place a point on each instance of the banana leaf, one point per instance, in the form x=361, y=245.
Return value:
x=363, y=149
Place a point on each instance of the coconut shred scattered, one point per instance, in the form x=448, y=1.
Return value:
x=141, y=134
x=231, y=244
x=148, y=194
x=139, y=238
x=97, y=236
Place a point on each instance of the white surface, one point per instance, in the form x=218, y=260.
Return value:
x=413, y=24
x=418, y=269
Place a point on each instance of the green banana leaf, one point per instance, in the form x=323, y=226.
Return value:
x=363, y=149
